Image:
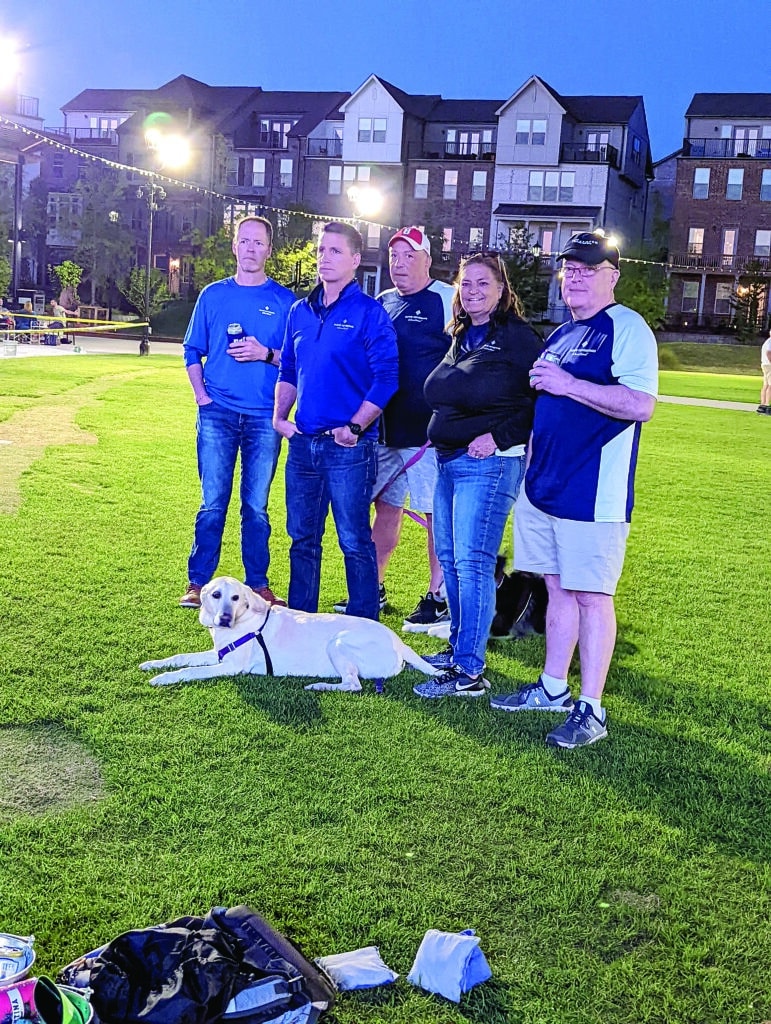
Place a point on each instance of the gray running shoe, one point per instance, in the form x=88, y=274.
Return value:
x=532, y=697
x=581, y=728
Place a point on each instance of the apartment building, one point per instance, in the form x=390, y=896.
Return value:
x=720, y=236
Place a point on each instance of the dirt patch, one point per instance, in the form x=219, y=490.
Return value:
x=43, y=769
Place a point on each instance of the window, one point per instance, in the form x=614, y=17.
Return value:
x=379, y=129
x=476, y=238
x=701, y=183
x=695, y=241
x=446, y=239
x=765, y=186
x=735, y=183
x=690, y=301
x=421, y=183
x=530, y=133
x=763, y=243
x=258, y=172
x=450, y=184
x=567, y=183
x=479, y=186
x=723, y=295
x=362, y=173
x=335, y=184
x=597, y=142
x=636, y=151
x=373, y=236
x=729, y=246
x=365, y=129
x=273, y=134
x=349, y=173
x=535, y=187
x=57, y=170
x=551, y=186
x=547, y=241
x=286, y=174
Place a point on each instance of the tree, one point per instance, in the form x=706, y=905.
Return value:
x=522, y=268
x=68, y=274
x=294, y=265
x=748, y=303
x=643, y=286
x=133, y=289
x=105, y=249
x=5, y=275
x=34, y=215
x=214, y=258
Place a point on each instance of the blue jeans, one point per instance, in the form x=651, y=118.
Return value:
x=221, y=433
x=319, y=473
x=472, y=501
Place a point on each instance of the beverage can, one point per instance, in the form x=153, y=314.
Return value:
x=235, y=332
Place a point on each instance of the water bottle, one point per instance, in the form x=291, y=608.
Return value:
x=235, y=333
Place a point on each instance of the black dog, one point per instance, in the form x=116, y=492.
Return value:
x=520, y=604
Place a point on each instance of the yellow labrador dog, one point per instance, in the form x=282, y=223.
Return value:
x=251, y=636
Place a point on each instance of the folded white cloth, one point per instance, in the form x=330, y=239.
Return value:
x=449, y=963
x=361, y=968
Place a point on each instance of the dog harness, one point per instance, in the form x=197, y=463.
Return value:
x=245, y=640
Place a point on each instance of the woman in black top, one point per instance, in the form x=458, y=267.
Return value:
x=482, y=415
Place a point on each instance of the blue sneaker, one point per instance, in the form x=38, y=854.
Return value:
x=581, y=728
x=452, y=683
x=443, y=659
x=532, y=697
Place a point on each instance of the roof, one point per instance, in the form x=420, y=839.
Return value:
x=730, y=104
x=564, y=212
x=108, y=99
x=181, y=92
x=312, y=107
x=465, y=111
x=601, y=109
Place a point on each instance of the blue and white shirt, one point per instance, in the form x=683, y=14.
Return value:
x=583, y=461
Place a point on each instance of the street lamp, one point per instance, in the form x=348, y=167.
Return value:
x=170, y=151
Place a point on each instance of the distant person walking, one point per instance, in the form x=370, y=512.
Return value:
x=231, y=349
x=765, y=367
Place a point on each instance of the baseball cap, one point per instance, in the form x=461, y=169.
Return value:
x=414, y=237
x=591, y=249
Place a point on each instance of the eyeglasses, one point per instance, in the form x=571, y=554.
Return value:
x=581, y=272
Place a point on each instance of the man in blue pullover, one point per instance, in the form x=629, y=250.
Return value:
x=339, y=366
x=233, y=379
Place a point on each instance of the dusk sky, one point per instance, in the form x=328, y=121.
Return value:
x=665, y=50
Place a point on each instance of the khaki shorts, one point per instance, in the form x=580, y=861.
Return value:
x=585, y=556
x=766, y=368
x=417, y=482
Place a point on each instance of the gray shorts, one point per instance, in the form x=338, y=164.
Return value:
x=417, y=482
x=585, y=556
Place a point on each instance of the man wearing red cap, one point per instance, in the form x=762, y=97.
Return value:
x=419, y=308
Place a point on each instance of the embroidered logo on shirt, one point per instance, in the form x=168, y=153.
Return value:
x=344, y=325
x=267, y=311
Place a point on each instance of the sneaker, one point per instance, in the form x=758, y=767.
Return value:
x=192, y=597
x=441, y=628
x=444, y=659
x=452, y=683
x=581, y=728
x=532, y=697
x=267, y=595
x=428, y=611
x=342, y=606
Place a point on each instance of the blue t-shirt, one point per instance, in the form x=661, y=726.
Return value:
x=583, y=462
x=262, y=311
x=420, y=322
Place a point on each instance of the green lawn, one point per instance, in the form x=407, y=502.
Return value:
x=625, y=883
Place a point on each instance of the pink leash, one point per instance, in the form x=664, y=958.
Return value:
x=403, y=469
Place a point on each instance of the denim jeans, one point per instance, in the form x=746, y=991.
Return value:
x=472, y=501
x=221, y=434
x=319, y=473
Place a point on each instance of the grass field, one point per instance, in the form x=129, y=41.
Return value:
x=628, y=882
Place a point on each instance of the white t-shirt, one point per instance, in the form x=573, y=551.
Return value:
x=765, y=352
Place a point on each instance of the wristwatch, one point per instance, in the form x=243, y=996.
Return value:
x=354, y=428
x=270, y=355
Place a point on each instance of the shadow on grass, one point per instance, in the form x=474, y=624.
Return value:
x=281, y=699
x=486, y=1004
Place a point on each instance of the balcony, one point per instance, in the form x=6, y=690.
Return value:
x=325, y=147
x=99, y=136
x=719, y=263
x=587, y=154
x=727, y=149
x=453, y=151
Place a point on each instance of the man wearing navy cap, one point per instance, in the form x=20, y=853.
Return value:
x=597, y=380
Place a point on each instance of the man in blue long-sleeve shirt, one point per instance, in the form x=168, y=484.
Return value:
x=339, y=366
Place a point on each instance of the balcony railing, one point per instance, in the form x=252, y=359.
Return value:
x=453, y=151
x=727, y=149
x=719, y=262
x=100, y=136
x=588, y=154
x=325, y=147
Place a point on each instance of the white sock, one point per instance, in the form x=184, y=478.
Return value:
x=595, y=703
x=553, y=686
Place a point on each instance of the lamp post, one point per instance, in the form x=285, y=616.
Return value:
x=170, y=151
